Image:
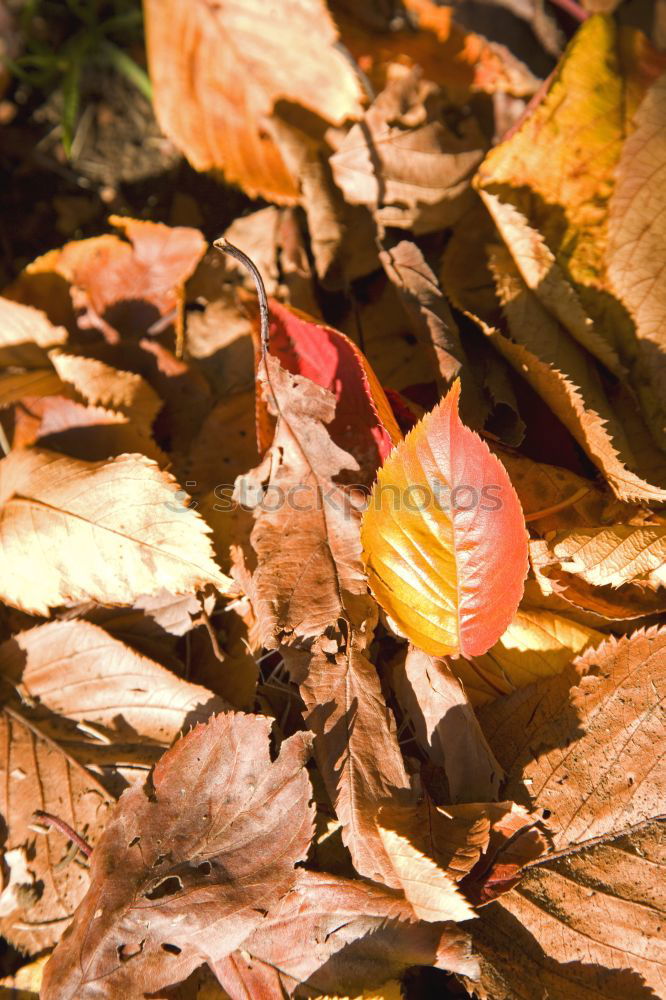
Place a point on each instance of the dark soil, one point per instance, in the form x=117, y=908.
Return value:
x=121, y=164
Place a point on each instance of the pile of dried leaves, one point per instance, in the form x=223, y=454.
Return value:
x=333, y=650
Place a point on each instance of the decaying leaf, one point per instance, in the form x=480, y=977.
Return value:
x=214, y=835
x=445, y=724
x=109, y=532
x=47, y=878
x=552, y=738
x=406, y=162
x=361, y=934
x=436, y=556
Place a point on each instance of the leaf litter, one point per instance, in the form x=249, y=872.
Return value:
x=330, y=637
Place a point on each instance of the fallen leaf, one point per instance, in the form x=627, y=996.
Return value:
x=431, y=893
x=445, y=725
x=516, y=838
x=130, y=287
x=309, y=584
x=455, y=837
x=217, y=824
x=449, y=55
x=626, y=602
x=362, y=932
x=551, y=196
x=26, y=334
x=357, y=750
x=425, y=305
x=363, y=423
x=588, y=913
x=219, y=112
x=50, y=882
x=614, y=554
x=552, y=738
x=584, y=926
x=104, y=704
x=120, y=517
x=407, y=161
x=537, y=643
x=636, y=247
x=425, y=557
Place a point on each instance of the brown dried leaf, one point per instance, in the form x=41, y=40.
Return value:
x=25, y=335
x=587, y=926
x=553, y=740
x=189, y=863
x=446, y=727
x=626, y=602
x=102, y=385
x=361, y=935
x=309, y=584
x=130, y=288
x=406, y=161
x=614, y=554
x=538, y=643
x=47, y=879
x=108, y=532
x=356, y=749
x=455, y=837
x=105, y=704
x=450, y=56
x=218, y=111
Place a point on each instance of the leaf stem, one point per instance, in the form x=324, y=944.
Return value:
x=585, y=845
x=48, y=819
x=557, y=507
x=224, y=246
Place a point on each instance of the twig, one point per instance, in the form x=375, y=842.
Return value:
x=49, y=820
x=224, y=246
x=203, y=618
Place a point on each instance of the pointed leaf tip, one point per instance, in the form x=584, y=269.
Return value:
x=444, y=537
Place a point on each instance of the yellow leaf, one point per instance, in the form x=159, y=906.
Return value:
x=444, y=538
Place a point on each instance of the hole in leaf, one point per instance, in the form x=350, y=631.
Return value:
x=205, y=868
x=167, y=887
x=134, y=841
x=172, y=949
x=127, y=951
